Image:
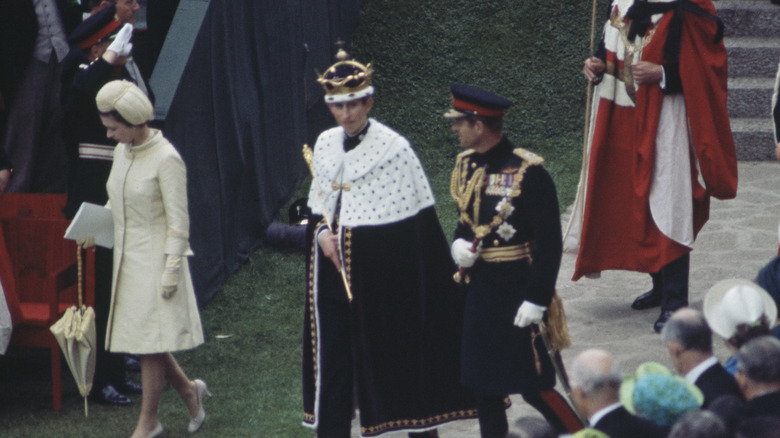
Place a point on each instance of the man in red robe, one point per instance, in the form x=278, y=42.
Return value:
x=659, y=145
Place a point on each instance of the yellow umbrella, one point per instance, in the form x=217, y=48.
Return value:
x=75, y=332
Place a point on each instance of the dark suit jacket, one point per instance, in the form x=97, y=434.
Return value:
x=767, y=404
x=18, y=32
x=622, y=424
x=715, y=382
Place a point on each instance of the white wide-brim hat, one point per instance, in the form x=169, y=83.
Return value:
x=735, y=301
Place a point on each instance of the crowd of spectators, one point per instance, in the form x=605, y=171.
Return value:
x=700, y=398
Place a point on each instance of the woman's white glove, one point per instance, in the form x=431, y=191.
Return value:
x=529, y=313
x=462, y=253
x=170, y=276
x=121, y=44
x=86, y=242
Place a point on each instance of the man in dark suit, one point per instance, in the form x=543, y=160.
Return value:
x=689, y=340
x=33, y=46
x=758, y=375
x=595, y=384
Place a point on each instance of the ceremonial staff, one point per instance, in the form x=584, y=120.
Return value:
x=589, y=94
x=308, y=156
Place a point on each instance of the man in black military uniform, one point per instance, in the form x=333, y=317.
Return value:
x=97, y=56
x=508, y=246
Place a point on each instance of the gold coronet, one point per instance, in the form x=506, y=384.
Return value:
x=346, y=76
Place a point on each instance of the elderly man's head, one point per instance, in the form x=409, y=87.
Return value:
x=595, y=380
x=688, y=338
x=758, y=367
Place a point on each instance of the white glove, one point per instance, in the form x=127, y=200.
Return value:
x=86, y=242
x=462, y=253
x=170, y=276
x=121, y=44
x=529, y=313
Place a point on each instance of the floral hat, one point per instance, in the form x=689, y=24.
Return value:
x=589, y=433
x=655, y=393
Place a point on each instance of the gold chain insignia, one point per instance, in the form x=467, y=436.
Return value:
x=462, y=189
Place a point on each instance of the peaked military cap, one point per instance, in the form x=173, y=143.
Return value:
x=95, y=28
x=471, y=100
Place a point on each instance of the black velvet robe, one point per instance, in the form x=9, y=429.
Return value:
x=406, y=319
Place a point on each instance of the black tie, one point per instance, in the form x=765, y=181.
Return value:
x=352, y=142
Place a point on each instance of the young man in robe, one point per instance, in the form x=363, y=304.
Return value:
x=383, y=318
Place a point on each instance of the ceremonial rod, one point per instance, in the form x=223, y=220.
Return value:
x=589, y=93
x=308, y=156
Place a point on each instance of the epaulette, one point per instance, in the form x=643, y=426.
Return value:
x=529, y=156
x=465, y=153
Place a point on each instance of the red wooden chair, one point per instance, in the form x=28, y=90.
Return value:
x=39, y=273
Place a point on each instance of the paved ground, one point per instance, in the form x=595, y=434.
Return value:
x=740, y=237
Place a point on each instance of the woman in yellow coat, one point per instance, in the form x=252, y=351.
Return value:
x=153, y=307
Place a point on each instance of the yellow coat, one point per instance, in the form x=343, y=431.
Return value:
x=147, y=192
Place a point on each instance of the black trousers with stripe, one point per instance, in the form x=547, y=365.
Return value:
x=551, y=404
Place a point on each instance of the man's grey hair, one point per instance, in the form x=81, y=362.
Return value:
x=692, y=333
x=759, y=359
x=591, y=381
x=699, y=424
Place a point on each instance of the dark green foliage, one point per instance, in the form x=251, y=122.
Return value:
x=530, y=51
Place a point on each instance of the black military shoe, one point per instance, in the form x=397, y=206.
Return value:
x=132, y=364
x=661, y=321
x=128, y=387
x=108, y=395
x=429, y=434
x=647, y=300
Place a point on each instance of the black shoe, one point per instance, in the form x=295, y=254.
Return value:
x=128, y=387
x=661, y=321
x=647, y=300
x=132, y=364
x=429, y=434
x=108, y=395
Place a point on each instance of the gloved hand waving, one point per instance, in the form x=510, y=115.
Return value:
x=121, y=44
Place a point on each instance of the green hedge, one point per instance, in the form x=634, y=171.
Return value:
x=530, y=51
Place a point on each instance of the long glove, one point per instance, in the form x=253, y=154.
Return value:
x=170, y=277
x=121, y=44
x=462, y=254
x=86, y=242
x=529, y=313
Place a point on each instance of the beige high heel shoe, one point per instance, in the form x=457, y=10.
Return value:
x=197, y=421
x=157, y=431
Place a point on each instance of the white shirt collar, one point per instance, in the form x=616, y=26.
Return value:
x=699, y=369
x=601, y=413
